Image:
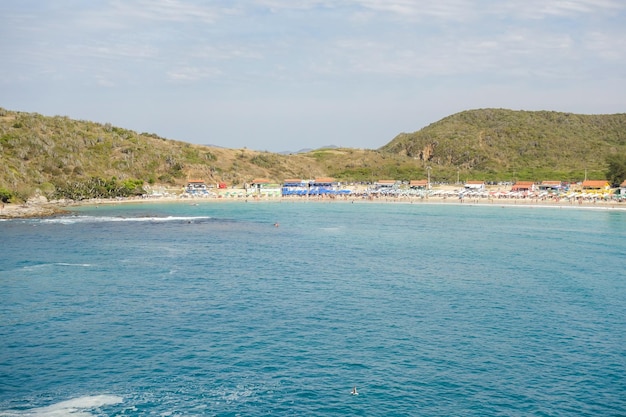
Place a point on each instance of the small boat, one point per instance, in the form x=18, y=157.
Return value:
x=354, y=391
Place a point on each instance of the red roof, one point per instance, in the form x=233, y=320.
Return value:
x=595, y=184
x=523, y=185
x=260, y=181
x=418, y=183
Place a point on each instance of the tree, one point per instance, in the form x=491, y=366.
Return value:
x=5, y=195
x=616, y=172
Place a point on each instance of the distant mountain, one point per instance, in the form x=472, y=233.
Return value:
x=306, y=150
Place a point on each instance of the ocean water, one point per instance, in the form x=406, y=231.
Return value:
x=212, y=310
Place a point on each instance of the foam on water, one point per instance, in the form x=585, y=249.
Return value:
x=76, y=407
x=55, y=264
x=108, y=219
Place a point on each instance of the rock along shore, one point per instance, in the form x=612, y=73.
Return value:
x=32, y=208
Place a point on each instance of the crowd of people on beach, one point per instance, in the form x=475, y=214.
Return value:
x=41, y=207
x=443, y=196
x=447, y=194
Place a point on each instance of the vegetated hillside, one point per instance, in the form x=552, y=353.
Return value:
x=57, y=156
x=363, y=165
x=43, y=154
x=506, y=144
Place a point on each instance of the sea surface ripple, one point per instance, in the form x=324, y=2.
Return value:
x=253, y=309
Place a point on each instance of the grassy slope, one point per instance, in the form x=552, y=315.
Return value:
x=39, y=152
x=496, y=143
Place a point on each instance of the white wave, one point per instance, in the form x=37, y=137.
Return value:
x=93, y=219
x=38, y=266
x=336, y=229
x=241, y=394
x=76, y=407
x=48, y=265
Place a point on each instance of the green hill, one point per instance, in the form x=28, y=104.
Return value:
x=48, y=154
x=57, y=156
x=507, y=144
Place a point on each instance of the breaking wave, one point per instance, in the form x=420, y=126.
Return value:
x=77, y=407
x=109, y=219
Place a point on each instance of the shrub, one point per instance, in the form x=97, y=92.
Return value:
x=5, y=195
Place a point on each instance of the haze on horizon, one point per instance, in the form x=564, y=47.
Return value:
x=282, y=75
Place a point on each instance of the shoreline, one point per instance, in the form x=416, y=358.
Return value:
x=40, y=208
x=26, y=211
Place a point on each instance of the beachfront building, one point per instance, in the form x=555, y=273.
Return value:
x=418, y=184
x=295, y=186
x=552, y=186
x=523, y=186
x=263, y=187
x=596, y=186
x=418, y=188
x=196, y=187
x=386, y=185
x=475, y=185
x=323, y=186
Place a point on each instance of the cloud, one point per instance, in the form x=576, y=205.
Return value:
x=610, y=47
x=166, y=10
x=320, y=37
x=104, y=80
x=225, y=52
x=192, y=73
x=452, y=10
x=540, y=9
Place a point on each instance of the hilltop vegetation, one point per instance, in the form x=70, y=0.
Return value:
x=54, y=154
x=60, y=157
x=506, y=144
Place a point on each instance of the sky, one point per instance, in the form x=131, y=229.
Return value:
x=287, y=75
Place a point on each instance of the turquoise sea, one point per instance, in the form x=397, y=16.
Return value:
x=211, y=310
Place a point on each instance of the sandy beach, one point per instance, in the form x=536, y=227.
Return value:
x=41, y=207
